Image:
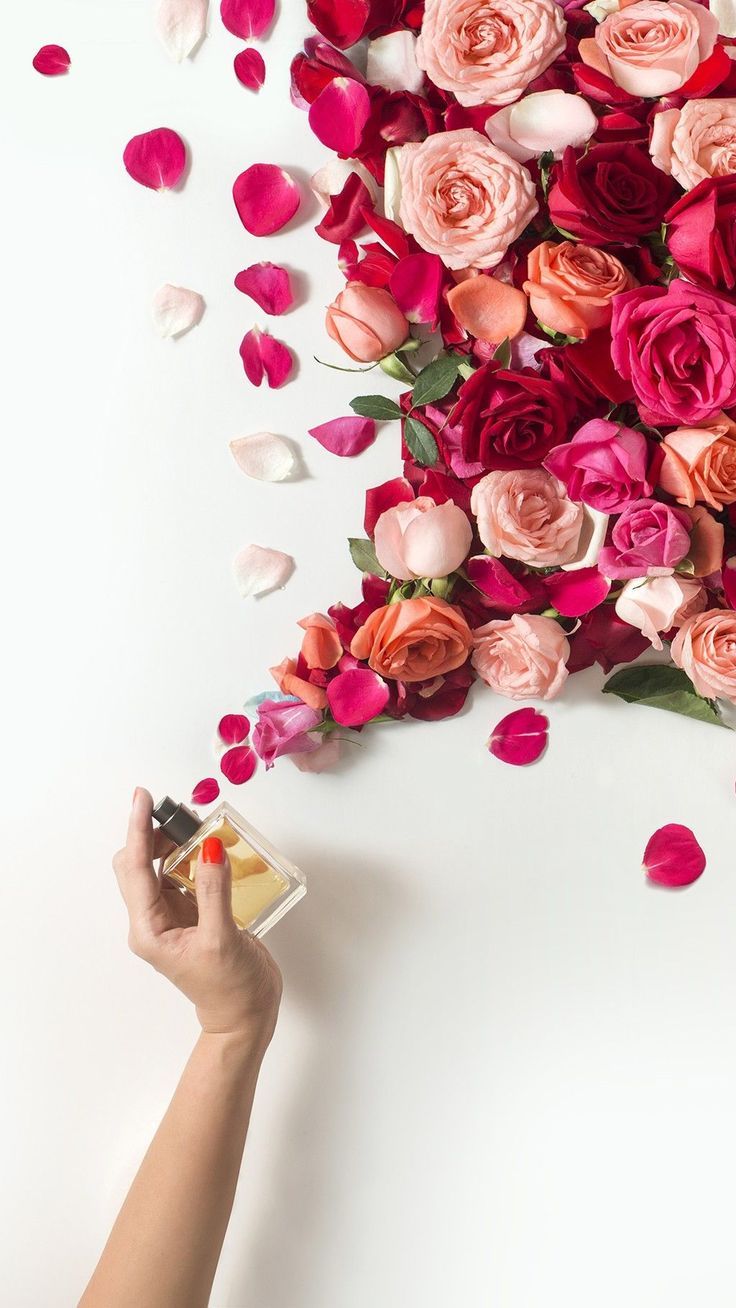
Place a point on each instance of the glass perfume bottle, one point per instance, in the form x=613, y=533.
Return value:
x=265, y=883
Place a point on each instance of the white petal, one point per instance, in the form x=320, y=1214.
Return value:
x=258, y=570
x=600, y=9
x=264, y=456
x=392, y=63
x=725, y=12
x=392, y=186
x=591, y=540
x=330, y=179
x=181, y=24
x=498, y=131
x=551, y=120
x=175, y=310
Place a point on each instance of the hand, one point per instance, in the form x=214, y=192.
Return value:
x=228, y=975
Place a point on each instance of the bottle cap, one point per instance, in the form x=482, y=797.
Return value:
x=177, y=822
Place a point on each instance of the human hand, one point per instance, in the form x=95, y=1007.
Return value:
x=229, y=976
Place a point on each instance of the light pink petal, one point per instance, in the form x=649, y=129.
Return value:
x=206, y=791
x=339, y=114
x=345, y=436
x=52, y=60
x=357, y=696
x=520, y=738
x=264, y=356
x=269, y=285
x=250, y=68
x=239, y=764
x=258, y=570
x=325, y=756
x=266, y=198
x=574, y=594
x=175, y=310
x=181, y=25
x=156, y=159
x=233, y=729
x=550, y=120
x=415, y=284
x=247, y=18
x=673, y=857
x=264, y=456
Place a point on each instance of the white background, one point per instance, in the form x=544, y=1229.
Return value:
x=506, y=1068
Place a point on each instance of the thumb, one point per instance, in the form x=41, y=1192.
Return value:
x=213, y=883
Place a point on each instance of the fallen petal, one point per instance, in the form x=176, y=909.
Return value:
x=574, y=594
x=250, y=68
x=233, y=729
x=339, y=115
x=258, y=570
x=264, y=456
x=269, y=285
x=357, y=696
x=415, y=284
x=247, y=18
x=345, y=215
x=175, y=310
x=52, y=60
x=239, y=764
x=489, y=309
x=156, y=159
x=264, y=356
x=266, y=198
x=725, y=12
x=181, y=25
x=330, y=179
x=520, y=738
x=392, y=63
x=206, y=791
x=673, y=857
x=345, y=436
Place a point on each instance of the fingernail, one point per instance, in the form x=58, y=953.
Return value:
x=135, y=796
x=213, y=850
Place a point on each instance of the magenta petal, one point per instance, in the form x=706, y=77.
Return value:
x=357, y=696
x=250, y=68
x=239, y=764
x=269, y=285
x=156, y=159
x=206, y=791
x=496, y=582
x=415, y=284
x=345, y=436
x=266, y=197
x=673, y=857
x=520, y=738
x=52, y=60
x=574, y=594
x=233, y=729
x=264, y=356
x=247, y=18
x=339, y=115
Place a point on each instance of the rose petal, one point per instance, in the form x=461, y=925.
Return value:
x=520, y=738
x=357, y=696
x=380, y=498
x=330, y=179
x=269, y=285
x=175, y=310
x=239, y=764
x=181, y=25
x=673, y=857
x=415, y=284
x=345, y=215
x=264, y=356
x=325, y=756
x=339, y=114
x=250, y=68
x=247, y=18
x=496, y=582
x=156, y=159
x=264, y=456
x=266, y=198
x=258, y=570
x=729, y=580
x=392, y=63
x=345, y=436
x=725, y=12
x=488, y=308
x=574, y=594
x=52, y=60
x=233, y=729
x=206, y=791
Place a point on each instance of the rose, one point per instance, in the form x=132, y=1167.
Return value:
x=292, y=676
x=705, y=648
x=651, y=48
x=696, y=141
x=321, y=645
x=460, y=197
x=701, y=233
x=422, y=539
x=523, y=657
x=707, y=541
x=366, y=322
x=571, y=286
x=676, y=345
x=414, y=639
x=700, y=464
x=543, y=121
x=282, y=728
x=509, y=419
x=611, y=195
x=604, y=465
x=488, y=53
x=657, y=604
x=526, y=515
x=648, y=540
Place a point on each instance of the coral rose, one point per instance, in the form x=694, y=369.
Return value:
x=696, y=141
x=523, y=657
x=657, y=604
x=651, y=48
x=705, y=648
x=422, y=539
x=414, y=639
x=700, y=464
x=366, y=322
x=526, y=515
x=321, y=645
x=571, y=286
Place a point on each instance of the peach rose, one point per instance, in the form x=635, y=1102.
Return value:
x=526, y=515
x=460, y=197
x=366, y=322
x=523, y=657
x=290, y=683
x=321, y=645
x=707, y=542
x=700, y=464
x=705, y=648
x=657, y=604
x=696, y=141
x=488, y=51
x=422, y=539
x=414, y=639
x=652, y=48
x=571, y=286
x=545, y=120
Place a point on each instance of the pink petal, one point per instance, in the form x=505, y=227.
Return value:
x=729, y=580
x=266, y=198
x=175, y=310
x=345, y=215
x=520, y=738
x=181, y=25
x=247, y=18
x=239, y=764
x=574, y=594
x=345, y=436
x=264, y=456
x=206, y=792
x=415, y=284
x=233, y=729
x=250, y=68
x=357, y=696
x=497, y=583
x=326, y=756
x=156, y=159
x=673, y=857
x=258, y=570
x=52, y=60
x=264, y=356
x=339, y=115
x=269, y=285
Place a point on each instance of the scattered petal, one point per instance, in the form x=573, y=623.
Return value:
x=520, y=738
x=357, y=696
x=264, y=356
x=247, y=18
x=345, y=216
x=175, y=310
x=181, y=25
x=156, y=159
x=339, y=114
x=380, y=498
x=266, y=198
x=489, y=309
x=269, y=285
x=52, y=61
x=345, y=436
x=206, y=791
x=239, y=764
x=250, y=68
x=673, y=857
x=725, y=12
x=495, y=581
x=233, y=729
x=415, y=284
x=264, y=456
x=576, y=593
x=258, y=570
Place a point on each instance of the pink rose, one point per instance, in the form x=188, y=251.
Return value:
x=523, y=657
x=526, y=515
x=460, y=197
x=571, y=286
x=545, y=120
x=422, y=539
x=648, y=540
x=366, y=322
x=604, y=465
x=283, y=728
x=652, y=48
x=700, y=464
x=696, y=141
x=487, y=53
x=657, y=604
x=705, y=648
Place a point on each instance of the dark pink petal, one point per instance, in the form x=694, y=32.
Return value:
x=339, y=115
x=206, y=792
x=345, y=436
x=269, y=285
x=574, y=594
x=729, y=580
x=156, y=159
x=247, y=18
x=385, y=496
x=250, y=68
x=266, y=197
x=416, y=283
x=233, y=729
x=345, y=216
x=520, y=738
x=497, y=583
x=357, y=696
x=239, y=764
x=52, y=60
x=264, y=356
x=673, y=857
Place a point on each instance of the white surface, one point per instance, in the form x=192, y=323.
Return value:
x=505, y=1071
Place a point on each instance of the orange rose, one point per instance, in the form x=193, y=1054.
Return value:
x=414, y=639
x=321, y=646
x=700, y=464
x=571, y=286
x=287, y=680
x=707, y=542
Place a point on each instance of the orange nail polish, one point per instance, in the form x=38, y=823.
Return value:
x=213, y=850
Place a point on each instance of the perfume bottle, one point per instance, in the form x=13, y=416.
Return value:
x=265, y=883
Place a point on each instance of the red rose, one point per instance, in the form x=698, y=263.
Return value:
x=510, y=419
x=614, y=194
x=702, y=233
x=585, y=372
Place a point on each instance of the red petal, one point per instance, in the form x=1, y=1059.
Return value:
x=385, y=496
x=520, y=738
x=673, y=857
x=708, y=75
x=729, y=580
x=339, y=115
x=264, y=356
x=266, y=197
x=250, y=68
x=357, y=696
x=342, y=21
x=345, y=436
x=269, y=285
x=416, y=283
x=574, y=594
x=247, y=18
x=233, y=729
x=205, y=792
x=239, y=764
x=52, y=60
x=156, y=159
x=345, y=216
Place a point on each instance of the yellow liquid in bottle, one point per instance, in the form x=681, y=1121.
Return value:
x=256, y=885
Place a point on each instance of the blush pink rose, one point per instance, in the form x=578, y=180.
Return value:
x=571, y=286
x=657, y=604
x=695, y=142
x=422, y=539
x=366, y=322
x=605, y=465
x=652, y=48
x=705, y=648
x=523, y=657
x=487, y=53
x=526, y=515
x=700, y=464
x=460, y=197
x=648, y=540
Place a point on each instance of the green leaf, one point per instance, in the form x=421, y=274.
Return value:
x=395, y=367
x=364, y=556
x=376, y=406
x=503, y=353
x=436, y=380
x=420, y=442
x=662, y=687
